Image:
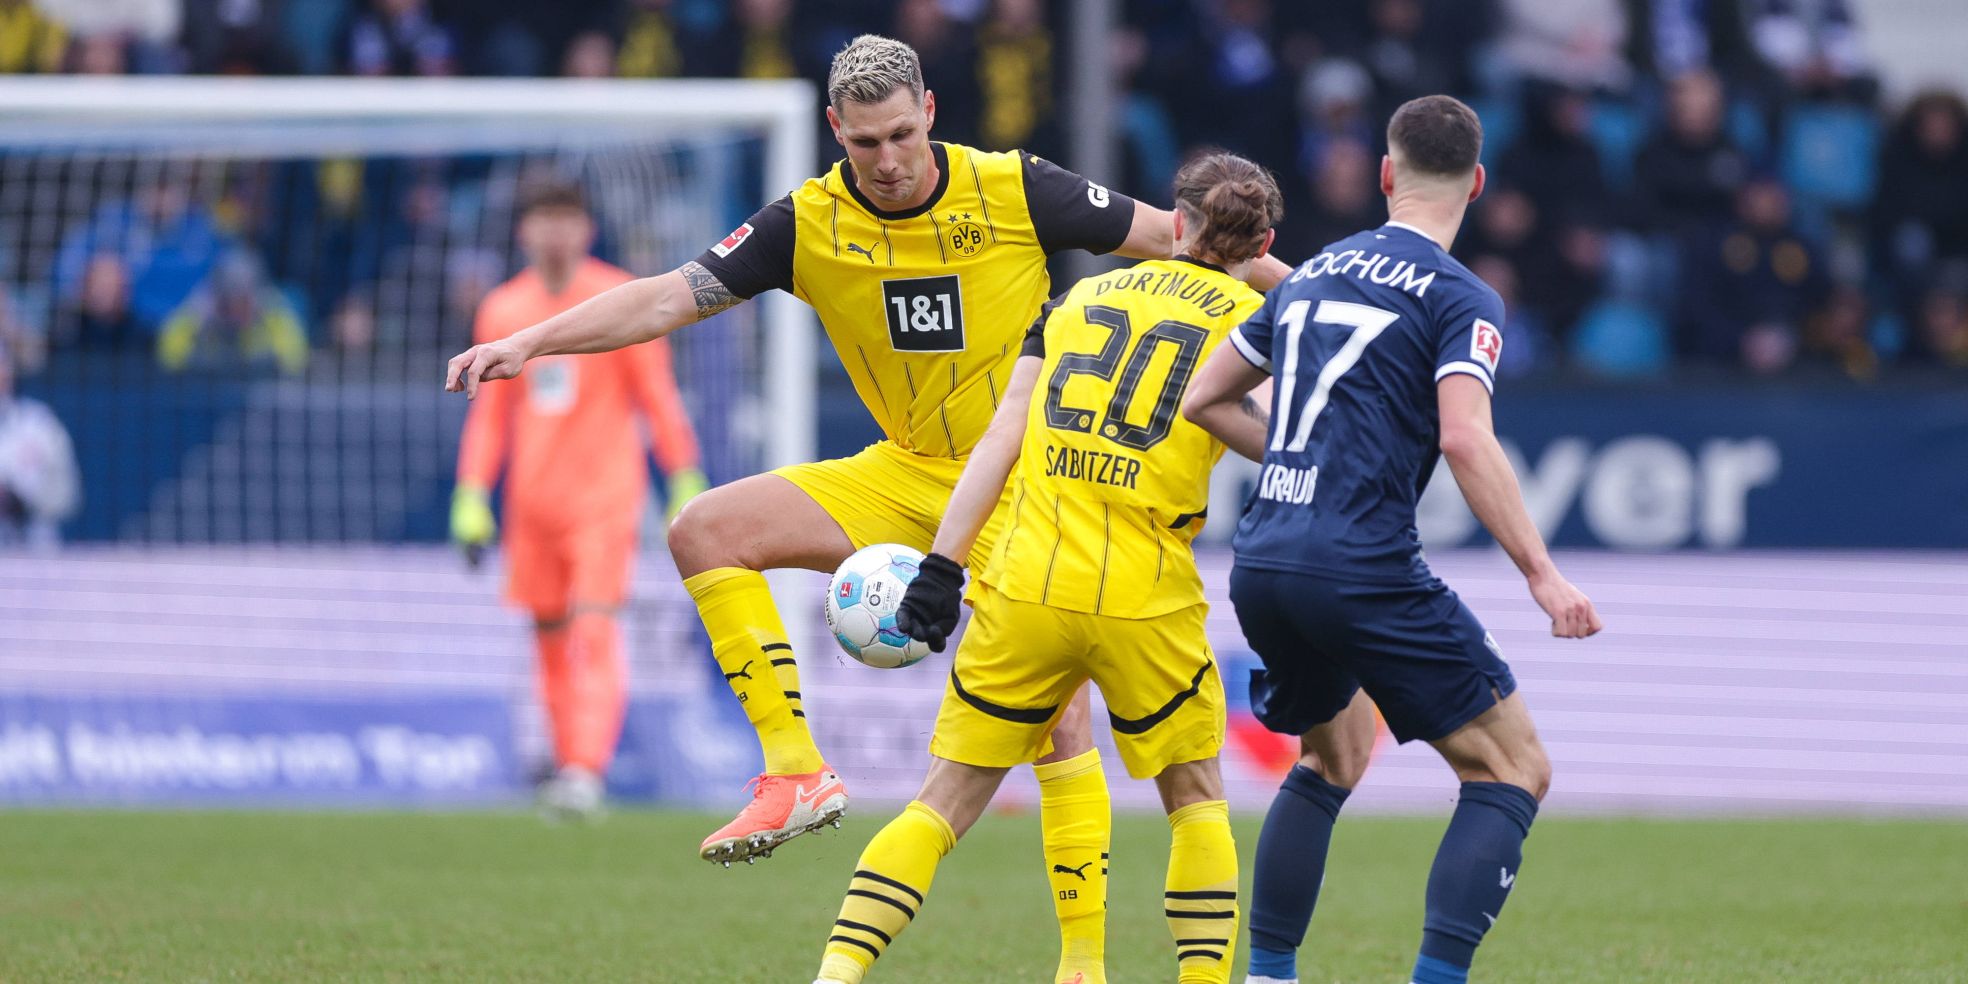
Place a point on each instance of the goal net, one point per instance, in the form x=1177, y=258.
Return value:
x=248, y=287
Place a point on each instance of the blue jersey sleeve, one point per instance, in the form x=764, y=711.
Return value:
x=1472, y=339
x=1253, y=338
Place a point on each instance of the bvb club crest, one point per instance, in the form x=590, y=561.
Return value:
x=966, y=238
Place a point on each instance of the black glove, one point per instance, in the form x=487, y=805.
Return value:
x=931, y=606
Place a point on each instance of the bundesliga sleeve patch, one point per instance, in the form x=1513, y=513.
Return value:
x=1486, y=345
x=733, y=241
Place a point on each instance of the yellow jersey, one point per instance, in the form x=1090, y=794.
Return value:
x=925, y=306
x=1112, y=483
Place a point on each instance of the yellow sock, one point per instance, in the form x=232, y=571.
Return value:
x=1076, y=826
x=750, y=645
x=889, y=884
x=1201, y=900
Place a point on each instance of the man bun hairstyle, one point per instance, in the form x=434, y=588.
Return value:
x=1437, y=136
x=1231, y=202
x=871, y=68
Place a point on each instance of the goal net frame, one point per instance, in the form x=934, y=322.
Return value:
x=781, y=111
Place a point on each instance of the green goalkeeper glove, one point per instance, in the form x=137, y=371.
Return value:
x=685, y=484
x=472, y=525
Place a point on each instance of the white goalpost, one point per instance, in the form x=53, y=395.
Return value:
x=158, y=121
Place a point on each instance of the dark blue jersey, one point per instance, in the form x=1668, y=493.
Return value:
x=1356, y=339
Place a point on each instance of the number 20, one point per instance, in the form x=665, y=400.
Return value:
x=1367, y=323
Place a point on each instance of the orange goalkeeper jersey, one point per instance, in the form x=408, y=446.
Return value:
x=565, y=431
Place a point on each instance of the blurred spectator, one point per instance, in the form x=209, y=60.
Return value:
x=1149, y=148
x=1530, y=345
x=1014, y=74
x=1836, y=334
x=237, y=321
x=1232, y=101
x=30, y=41
x=235, y=37
x=757, y=43
x=138, y=259
x=99, y=54
x=1688, y=174
x=1920, y=216
x=1941, y=329
x=590, y=55
x=1344, y=199
x=1554, y=159
x=1813, y=45
x=1670, y=38
x=144, y=32
x=1560, y=266
x=1335, y=104
x=652, y=44
x=950, y=69
x=1748, y=291
x=40, y=484
x=1579, y=44
x=1405, y=58
x=400, y=37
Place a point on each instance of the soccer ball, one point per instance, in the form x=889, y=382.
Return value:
x=861, y=603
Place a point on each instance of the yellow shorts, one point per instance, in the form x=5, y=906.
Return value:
x=884, y=494
x=1020, y=662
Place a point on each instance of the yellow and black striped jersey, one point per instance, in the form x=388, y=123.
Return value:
x=926, y=306
x=1112, y=483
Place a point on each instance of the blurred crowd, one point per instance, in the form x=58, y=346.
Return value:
x=1674, y=183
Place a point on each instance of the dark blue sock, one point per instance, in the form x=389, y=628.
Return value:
x=1291, y=864
x=1473, y=873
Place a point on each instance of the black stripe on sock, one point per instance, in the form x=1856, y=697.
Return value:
x=798, y=713
x=791, y=694
x=1179, y=914
x=864, y=945
x=787, y=661
x=1103, y=855
x=878, y=934
x=773, y=647
x=1202, y=942
x=1183, y=955
x=1199, y=895
x=890, y=882
x=911, y=913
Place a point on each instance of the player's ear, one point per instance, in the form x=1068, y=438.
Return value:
x=1386, y=173
x=1270, y=236
x=1176, y=235
x=1482, y=178
x=929, y=109
x=834, y=121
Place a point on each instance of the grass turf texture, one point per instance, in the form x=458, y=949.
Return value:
x=405, y=897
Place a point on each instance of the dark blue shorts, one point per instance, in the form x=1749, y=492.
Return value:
x=1417, y=649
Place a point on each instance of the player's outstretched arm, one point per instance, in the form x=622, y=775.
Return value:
x=1224, y=400
x=1488, y=484
x=632, y=313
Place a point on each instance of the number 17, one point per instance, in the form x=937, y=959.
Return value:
x=1367, y=323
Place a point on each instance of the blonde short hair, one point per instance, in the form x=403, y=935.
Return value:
x=871, y=68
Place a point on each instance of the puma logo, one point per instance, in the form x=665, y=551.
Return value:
x=867, y=251
x=742, y=673
x=1506, y=879
x=1079, y=872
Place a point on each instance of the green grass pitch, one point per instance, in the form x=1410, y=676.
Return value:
x=130, y=896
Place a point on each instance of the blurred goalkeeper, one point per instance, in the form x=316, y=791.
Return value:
x=566, y=436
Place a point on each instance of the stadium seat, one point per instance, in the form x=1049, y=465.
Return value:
x=1620, y=338
x=1829, y=155
x=1503, y=120
x=1617, y=130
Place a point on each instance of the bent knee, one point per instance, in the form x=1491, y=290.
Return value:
x=1344, y=769
x=707, y=534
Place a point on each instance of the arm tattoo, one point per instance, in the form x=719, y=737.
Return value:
x=707, y=290
x=1256, y=411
